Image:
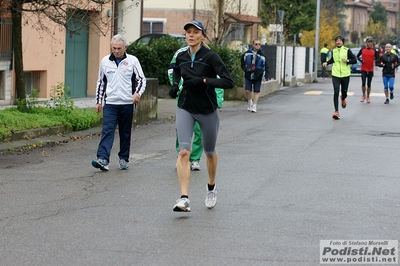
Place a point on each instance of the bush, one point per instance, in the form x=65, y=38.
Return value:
x=165, y=49
x=155, y=58
x=231, y=58
x=59, y=111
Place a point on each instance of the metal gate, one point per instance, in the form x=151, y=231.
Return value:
x=5, y=35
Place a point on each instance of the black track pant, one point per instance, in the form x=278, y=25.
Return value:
x=366, y=77
x=341, y=84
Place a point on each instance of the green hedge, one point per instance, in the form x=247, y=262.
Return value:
x=58, y=111
x=13, y=120
x=155, y=58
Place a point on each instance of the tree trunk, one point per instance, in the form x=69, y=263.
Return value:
x=219, y=36
x=16, y=12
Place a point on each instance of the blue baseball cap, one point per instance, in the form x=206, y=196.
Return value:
x=195, y=23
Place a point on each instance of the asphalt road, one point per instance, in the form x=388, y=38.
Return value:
x=288, y=177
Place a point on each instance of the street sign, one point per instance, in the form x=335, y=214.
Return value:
x=275, y=27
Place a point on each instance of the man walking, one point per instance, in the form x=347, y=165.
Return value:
x=255, y=67
x=341, y=59
x=118, y=74
x=367, y=56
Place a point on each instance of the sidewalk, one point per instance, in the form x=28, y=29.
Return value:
x=166, y=110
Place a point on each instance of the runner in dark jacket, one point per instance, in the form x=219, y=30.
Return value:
x=199, y=67
x=389, y=62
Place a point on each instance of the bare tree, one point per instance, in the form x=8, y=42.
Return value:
x=222, y=23
x=63, y=13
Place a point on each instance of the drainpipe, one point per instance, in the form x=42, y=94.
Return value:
x=115, y=17
x=316, y=46
x=141, y=17
x=194, y=9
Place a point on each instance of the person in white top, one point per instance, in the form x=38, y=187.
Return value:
x=120, y=83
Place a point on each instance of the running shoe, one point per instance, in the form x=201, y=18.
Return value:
x=387, y=101
x=182, y=205
x=195, y=166
x=250, y=105
x=391, y=96
x=123, y=165
x=336, y=115
x=362, y=99
x=368, y=100
x=211, y=198
x=254, y=109
x=102, y=164
x=343, y=102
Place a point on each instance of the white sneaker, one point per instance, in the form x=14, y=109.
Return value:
x=123, y=165
x=101, y=163
x=211, y=198
x=195, y=166
x=254, y=108
x=249, y=105
x=182, y=205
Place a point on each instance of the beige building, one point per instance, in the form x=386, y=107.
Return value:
x=239, y=18
x=128, y=18
x=55, y=56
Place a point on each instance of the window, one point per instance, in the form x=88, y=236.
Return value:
x=153, y=26
x=236, y=32
x=32, y=81
x=364, y=21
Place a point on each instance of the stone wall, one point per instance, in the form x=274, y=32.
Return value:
x=239, y=94
x=147, y=108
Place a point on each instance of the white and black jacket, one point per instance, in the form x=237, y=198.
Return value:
x=118, y=82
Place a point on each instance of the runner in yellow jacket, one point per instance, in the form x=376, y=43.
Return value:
x=342, y=58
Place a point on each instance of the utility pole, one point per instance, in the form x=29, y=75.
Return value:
x=281, y=15
x=316, y=52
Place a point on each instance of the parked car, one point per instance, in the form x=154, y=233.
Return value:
x=149, y=38
x=356, y=68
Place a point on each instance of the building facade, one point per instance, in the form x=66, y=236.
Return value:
x=357, y=17
x=230, y=22
x=56, y=56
